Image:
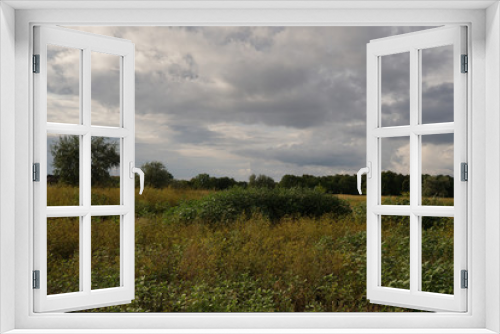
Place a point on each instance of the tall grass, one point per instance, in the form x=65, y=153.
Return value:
x=254, y=264
x=152, y=201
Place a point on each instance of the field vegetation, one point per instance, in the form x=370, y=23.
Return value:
x=246, y=250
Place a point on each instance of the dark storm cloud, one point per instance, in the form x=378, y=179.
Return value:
x=395, y=89
x=304, y=155
x=437, y=103
x=194, y=134
x=437, y=84
x=235, y=100
x=396, y=113
x=106, y=88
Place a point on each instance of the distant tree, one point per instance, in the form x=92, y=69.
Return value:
x=405, y=186
x=66, y=163
x=437, y=186
x=104, y=156
x=290, y=181
x=223, y=183
x=347, y=184
x=156, y=175
x=251, y=180
x=310, y=181
x=201, y=181
x=261, y=181
x=390, y=184
x=242, y=184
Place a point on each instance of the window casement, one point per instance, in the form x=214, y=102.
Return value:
x=414, y=45
x=84, y=130
x=473, y=319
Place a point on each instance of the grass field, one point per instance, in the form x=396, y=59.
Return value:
x=296, y=264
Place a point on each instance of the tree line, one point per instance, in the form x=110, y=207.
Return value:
x=105, y=156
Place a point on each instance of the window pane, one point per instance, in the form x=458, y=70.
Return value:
x=105, y=171
x=395, y=166
x=63, y=170
x=396, y=251
x=395, y=89
x=63, y=255
x=105, y=89
x=437, y=84
x=437, y=169
x=105, y=252
x=437, y=254
x=63, y=84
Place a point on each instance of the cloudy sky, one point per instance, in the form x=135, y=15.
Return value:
x=232, y=101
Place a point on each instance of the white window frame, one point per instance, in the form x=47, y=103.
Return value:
x=16, y=214
x=123, y=50
x=412, y=44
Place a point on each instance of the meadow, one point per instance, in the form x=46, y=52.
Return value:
x=246, y=250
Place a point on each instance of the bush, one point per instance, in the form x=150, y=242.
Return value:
x=273, y=204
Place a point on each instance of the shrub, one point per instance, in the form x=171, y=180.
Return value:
x=273, y=204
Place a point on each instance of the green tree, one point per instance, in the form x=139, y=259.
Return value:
x=201, y=181
x=66, y=163
x=105, y=155
x=66, y=153
x=437, y=186
x=290, y=181
x=261, y=181
x=223, y=183
x=156, y=175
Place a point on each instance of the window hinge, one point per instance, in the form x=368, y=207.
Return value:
x=465, y=64
x=36, y=63
x=464, y=171
x=36, y=279
x=36, y=172
x=465, y=279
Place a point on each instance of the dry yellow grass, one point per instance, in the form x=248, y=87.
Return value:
x=59, y=195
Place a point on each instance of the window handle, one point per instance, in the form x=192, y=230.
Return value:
x=365, y=170
x=133, y=170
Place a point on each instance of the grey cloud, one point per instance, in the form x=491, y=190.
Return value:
x=437, y=103
x=300, y=79
x=304, y=155
x=441, y=139
x=62, y=76
x=106, y=89
x=194, y=134
x=396, y=113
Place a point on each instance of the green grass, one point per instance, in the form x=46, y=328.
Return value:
x=257, y=263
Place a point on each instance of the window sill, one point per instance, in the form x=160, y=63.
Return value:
x=250, y=331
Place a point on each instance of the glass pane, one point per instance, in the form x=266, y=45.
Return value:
x=63, y=84
x=395, y=89
x=395, y=178
x=63, y=170
x=63, y=255
x=437, y=254
x=396, y=251
x=105, y=252
x=437, y=169
x=105, y=171
x=437, y=84
x=105, y=89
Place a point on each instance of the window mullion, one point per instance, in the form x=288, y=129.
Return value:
x=86, y=161
x=414, y=173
